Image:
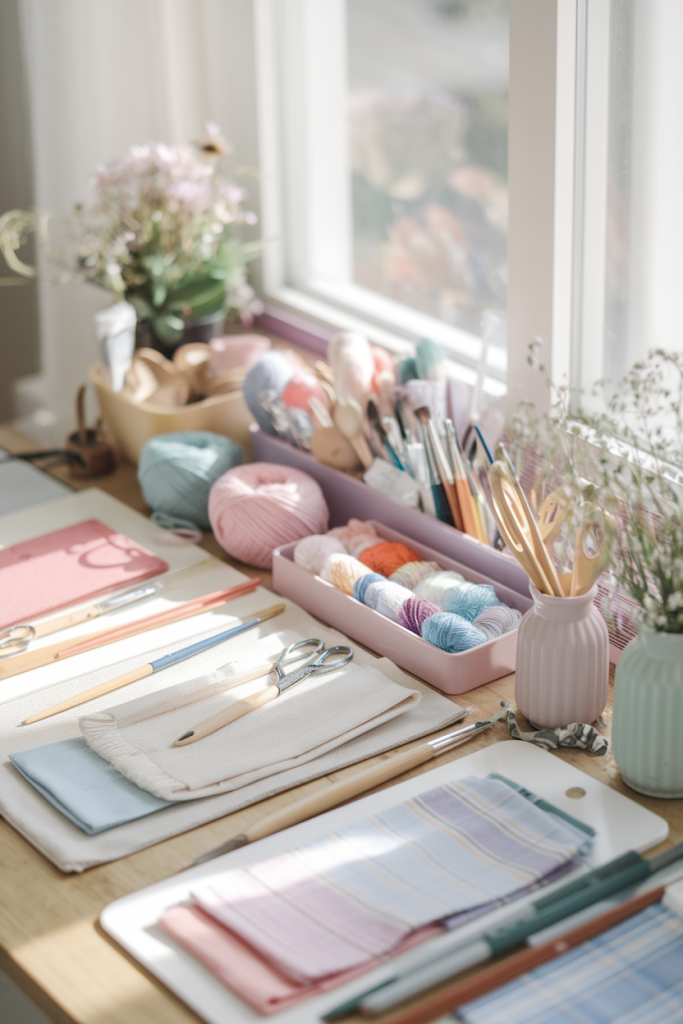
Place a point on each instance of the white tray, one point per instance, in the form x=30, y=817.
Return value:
x=621, y=825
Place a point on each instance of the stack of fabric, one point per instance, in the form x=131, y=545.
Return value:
x=285, y=929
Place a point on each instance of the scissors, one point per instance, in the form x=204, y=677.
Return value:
x=15, y=640
x=320, y=660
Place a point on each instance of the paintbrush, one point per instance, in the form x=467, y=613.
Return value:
x=443, y=467
x=339, y=792
x=462, y=486
x=155, y=666
x=67, y=648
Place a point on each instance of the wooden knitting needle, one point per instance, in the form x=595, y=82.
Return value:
x=154, y=666
x=339, y=792
x=67, y=648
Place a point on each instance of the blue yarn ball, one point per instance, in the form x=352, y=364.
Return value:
x=469, y=599
x=385, y=597
x=363, y=582
x=272, y=372
x=176, y=472
x=451, y=633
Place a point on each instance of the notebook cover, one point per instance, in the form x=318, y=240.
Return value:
x=68, y=567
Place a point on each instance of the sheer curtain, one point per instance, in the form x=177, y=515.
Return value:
x=103, y=75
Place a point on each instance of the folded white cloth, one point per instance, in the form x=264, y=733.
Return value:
x=315, y=716
x=70, y=849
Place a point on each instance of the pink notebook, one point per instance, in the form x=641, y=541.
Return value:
x=68, y=567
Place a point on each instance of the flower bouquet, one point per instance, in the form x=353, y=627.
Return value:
x=162, y=232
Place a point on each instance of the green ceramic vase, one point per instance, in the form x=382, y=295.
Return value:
x=647, y=727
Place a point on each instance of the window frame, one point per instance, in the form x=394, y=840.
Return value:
x=541, y=174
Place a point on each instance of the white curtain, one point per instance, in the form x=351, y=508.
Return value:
x=104, y=74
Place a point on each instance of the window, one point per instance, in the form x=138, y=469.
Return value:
x=629, y=277
x=389, y=134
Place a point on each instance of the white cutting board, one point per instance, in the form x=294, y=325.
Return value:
x=621, y=825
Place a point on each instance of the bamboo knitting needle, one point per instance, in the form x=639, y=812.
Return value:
x=67, y=648
x=338, y=792
x=154, y=666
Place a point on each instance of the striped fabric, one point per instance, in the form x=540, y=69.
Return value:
x=631, y=974
x=336, y=903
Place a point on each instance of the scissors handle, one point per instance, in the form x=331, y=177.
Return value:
x=321, y=664
x=15, y=639
x=297, y=651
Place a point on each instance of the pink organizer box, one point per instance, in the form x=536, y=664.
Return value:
x=452, y=673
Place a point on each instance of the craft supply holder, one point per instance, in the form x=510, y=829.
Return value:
x=562, y=671
x=347, y=497
x=452, y=673
x=132, y=423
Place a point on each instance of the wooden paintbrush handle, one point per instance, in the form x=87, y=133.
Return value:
x=338, y=792
x=65, y=621
x=91, y=694
x=231, y=714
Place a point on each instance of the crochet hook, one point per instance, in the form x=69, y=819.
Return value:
x=154, y=666
x=339, y=792
x=67, y=648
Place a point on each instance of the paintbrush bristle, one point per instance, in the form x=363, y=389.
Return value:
x=423, y=414
x=232, y=844
x=269, y=613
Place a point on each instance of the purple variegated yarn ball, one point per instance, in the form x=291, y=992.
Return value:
x=413, y=613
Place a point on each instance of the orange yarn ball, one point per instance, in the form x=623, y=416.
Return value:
x=388, y=556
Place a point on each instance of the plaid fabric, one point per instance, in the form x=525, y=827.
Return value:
x=338, y=902
x=631, y=974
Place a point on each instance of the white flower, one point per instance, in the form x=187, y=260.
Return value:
x=675, y=601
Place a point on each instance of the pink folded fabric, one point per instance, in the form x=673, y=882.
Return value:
x=245, y=972
x=67, y=567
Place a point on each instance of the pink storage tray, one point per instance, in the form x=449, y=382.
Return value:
x=348, y=498
x=452, y=673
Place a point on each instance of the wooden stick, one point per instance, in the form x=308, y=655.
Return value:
x=460, y=992
x=67, y=648
x=154, y=666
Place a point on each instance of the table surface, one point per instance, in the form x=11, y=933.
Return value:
x=51, y=944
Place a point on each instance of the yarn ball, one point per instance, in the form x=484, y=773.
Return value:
x=313, y=553
x=497, y=620
x=343, y=571
x=452, y=633
x=410, y=574
x=432, y=588
x=413, y=613
x=388, y=556
x=258, y=507
x=469, y=599
x=176, y=472
x=300, y=389
x=272, y=372
x=357, y=545
x=354, y=528
x=377, y=592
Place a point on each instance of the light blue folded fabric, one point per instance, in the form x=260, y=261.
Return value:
x=84, y=787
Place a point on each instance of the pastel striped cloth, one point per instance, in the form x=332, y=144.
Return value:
x=631, y=974
x=354, y=895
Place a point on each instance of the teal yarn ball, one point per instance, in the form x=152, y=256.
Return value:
x=469, y=599
x=452, y=633
x=176, y=472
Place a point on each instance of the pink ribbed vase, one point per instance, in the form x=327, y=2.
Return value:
x=562, y=670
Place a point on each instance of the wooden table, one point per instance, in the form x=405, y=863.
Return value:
x=50, y=942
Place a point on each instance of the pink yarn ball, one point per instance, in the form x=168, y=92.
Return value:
x=301, y=388
x=256, y=508
x=414, y=611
